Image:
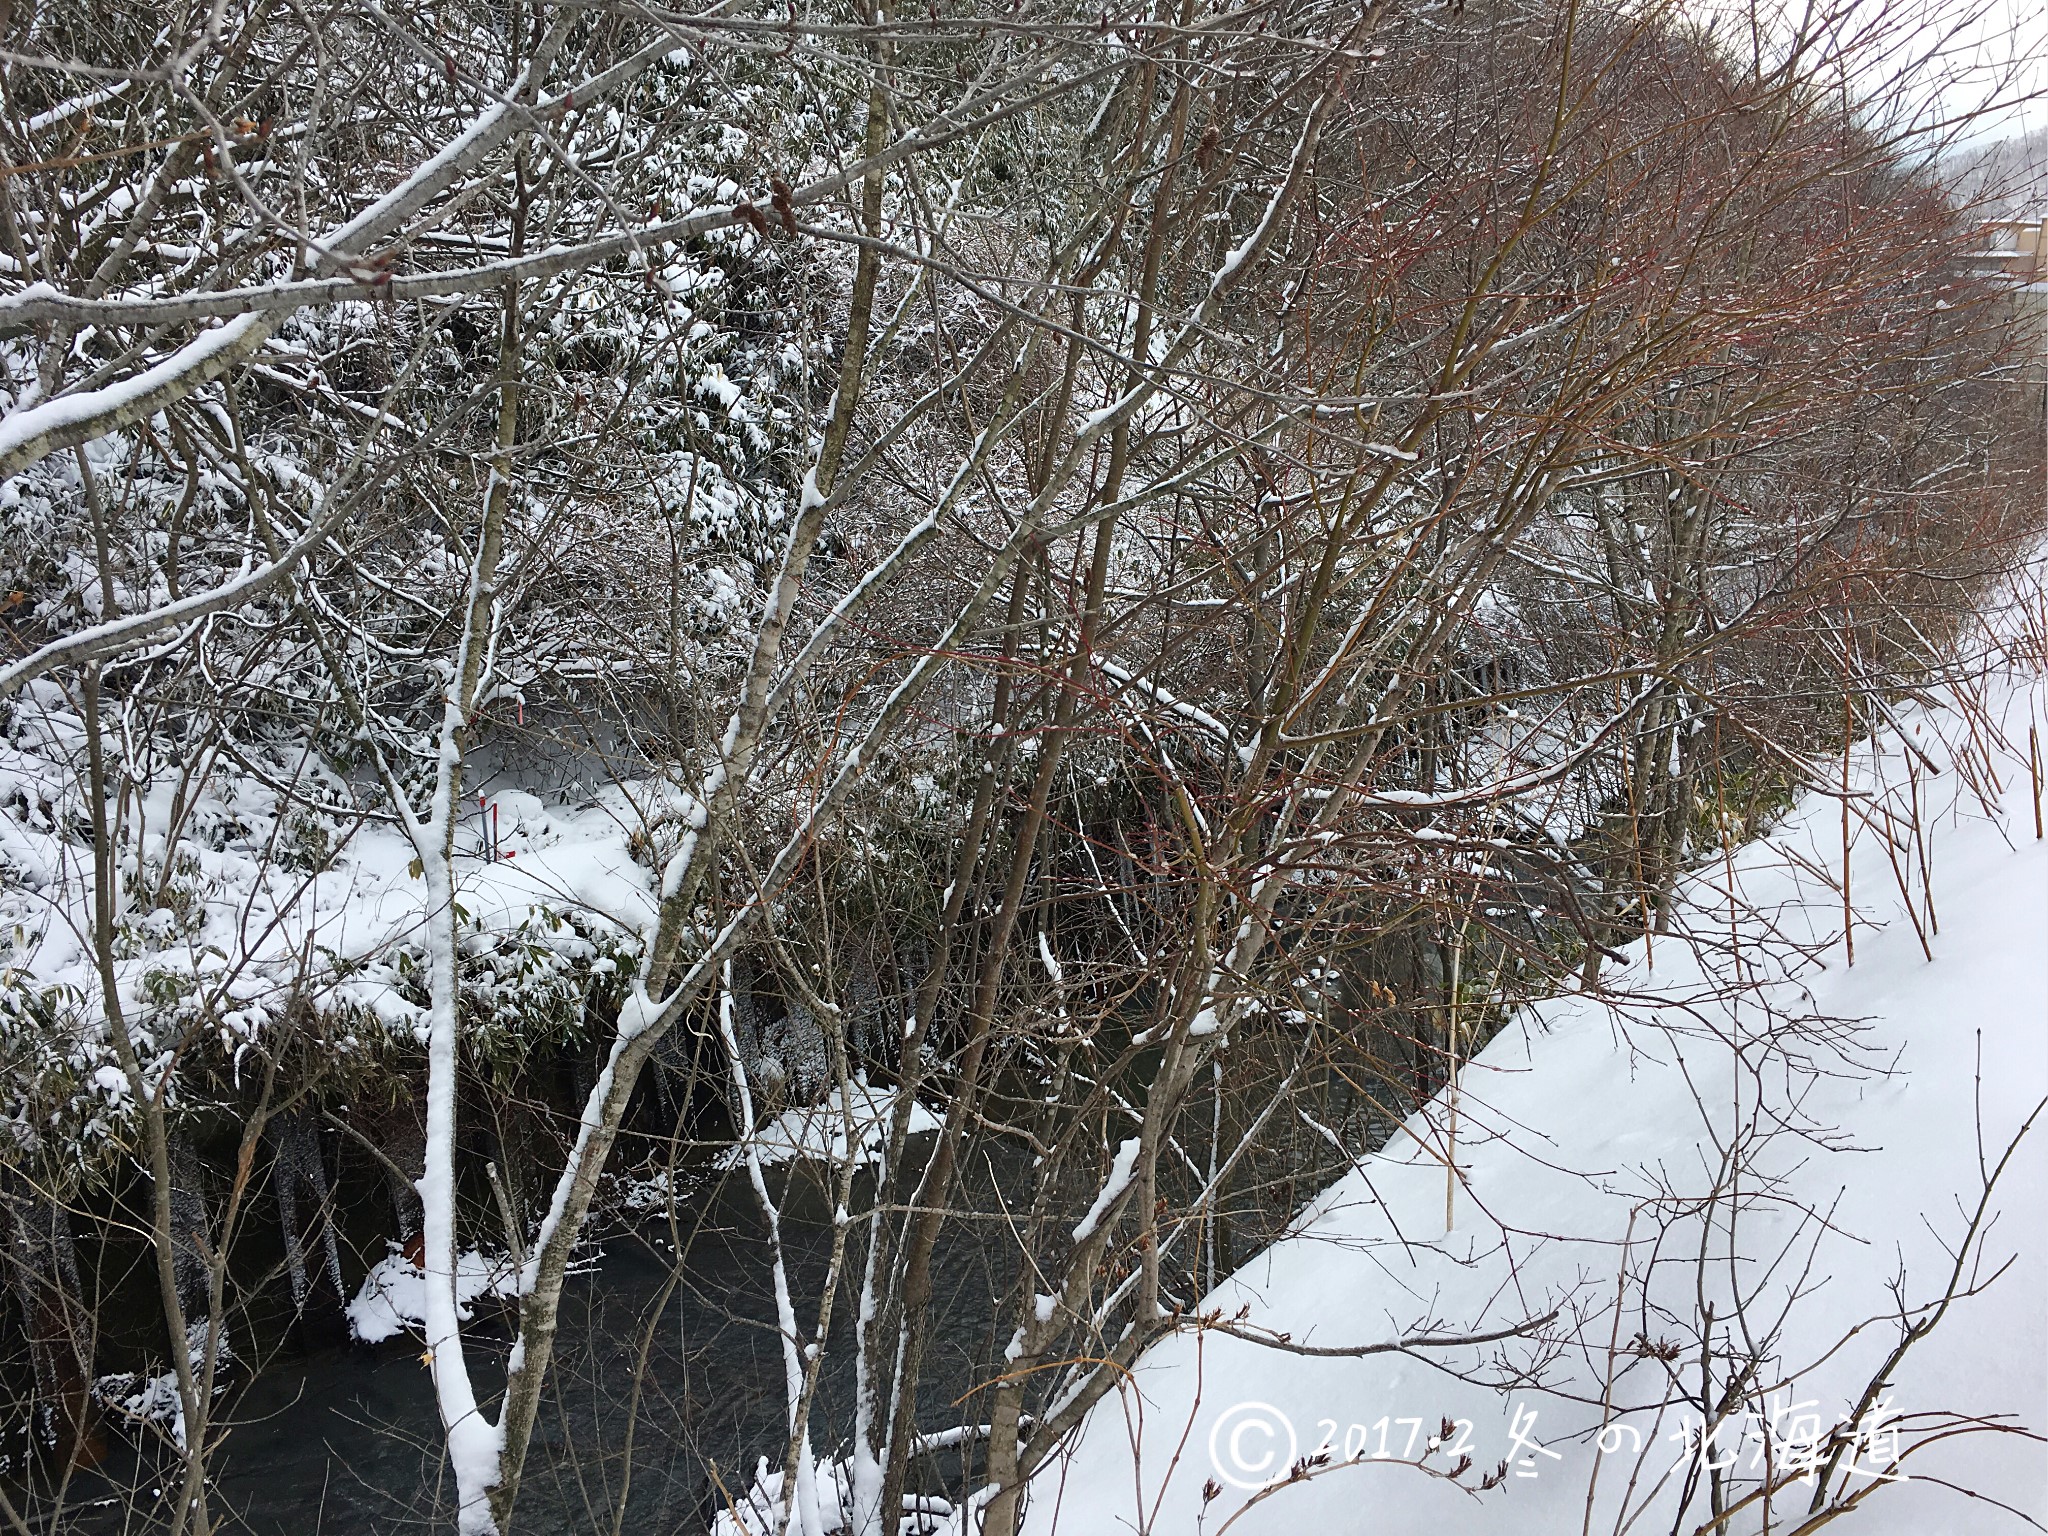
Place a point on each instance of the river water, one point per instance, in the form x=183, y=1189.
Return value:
x=344, y=1442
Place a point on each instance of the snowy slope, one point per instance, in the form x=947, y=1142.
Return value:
x=1589, y=1138
x=271, y=901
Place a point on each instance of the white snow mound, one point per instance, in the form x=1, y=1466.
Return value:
x=1868, y=1101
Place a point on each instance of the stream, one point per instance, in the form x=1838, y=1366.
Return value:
x=346, y=1440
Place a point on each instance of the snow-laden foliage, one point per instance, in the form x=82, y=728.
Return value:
x=1057, y=608
x=261, y=916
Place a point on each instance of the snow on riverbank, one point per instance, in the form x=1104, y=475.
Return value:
x=247, y=897
x=820, y=1132
x=1594, y=1151
x=393, y=1297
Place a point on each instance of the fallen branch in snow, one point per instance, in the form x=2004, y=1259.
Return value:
x=1270, y=1339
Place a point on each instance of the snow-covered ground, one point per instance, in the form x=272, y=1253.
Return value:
x=1863, y=1104
x=268, y=904
x=818, y=1132
x=393, y=1297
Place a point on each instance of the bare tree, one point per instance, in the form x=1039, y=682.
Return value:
x=1134, y=584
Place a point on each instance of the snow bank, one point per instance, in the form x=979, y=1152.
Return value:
x=155, y=1399
x=393, y=1298
x=265, y=902
x=1867, y=1100
x=819, y=1132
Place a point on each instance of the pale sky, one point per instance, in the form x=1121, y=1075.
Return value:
x=1959, y=56
x=1996, y=51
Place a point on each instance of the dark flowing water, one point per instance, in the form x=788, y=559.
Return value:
x=346, y=1441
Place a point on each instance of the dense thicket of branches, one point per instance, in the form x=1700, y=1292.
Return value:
x=1122, y=585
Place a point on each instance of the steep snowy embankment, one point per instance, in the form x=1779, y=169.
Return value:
x=1799, y=1158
